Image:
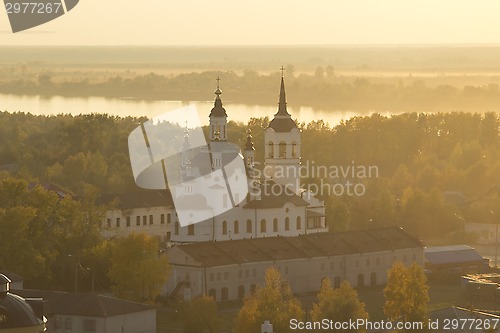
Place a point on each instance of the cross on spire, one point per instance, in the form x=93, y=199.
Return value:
x=282, y=71
x=218, y=79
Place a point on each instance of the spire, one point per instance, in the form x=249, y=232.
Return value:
x=249, y=144
x=186, y=145
x=282, y=103
x=282, y=121
x=218, y=110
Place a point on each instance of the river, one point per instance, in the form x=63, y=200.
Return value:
x=40, y=105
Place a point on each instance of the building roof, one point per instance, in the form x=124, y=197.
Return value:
x=88, y=305
x=212, y=254
x=218, y=110
x=456, y=254
x=138, y=199
x=282, y=121
x=15, y=312
x=13, y=277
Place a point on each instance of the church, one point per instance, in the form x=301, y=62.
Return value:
x=271, y=204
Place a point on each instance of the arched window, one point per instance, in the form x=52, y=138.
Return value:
x=299, y=223
x=241, y=292
x=294, y=149
x=224, y=294
x=176, y=231
x=191, y=230
x=275, y=225
x=263, y=225
x=361, y=280
x=236, y=227
x=249, y=226
x=212, y=293
x=224, y=228
x=287, y=223
x=270, y=149
x=282, y=149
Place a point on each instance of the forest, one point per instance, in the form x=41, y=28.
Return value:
x=434, y=171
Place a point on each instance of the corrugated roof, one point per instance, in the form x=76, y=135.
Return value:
x=89, y=305
x=211, y=254
x=451, y=255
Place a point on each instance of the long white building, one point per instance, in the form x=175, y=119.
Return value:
x=230, y=270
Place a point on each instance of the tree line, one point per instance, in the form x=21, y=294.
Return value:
x=435, y=171
x=406, y=301
x=322, y=89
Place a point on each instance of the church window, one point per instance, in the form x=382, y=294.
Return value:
x=144, y=220
x=299, y=223
x=294, y=149
x=224, y=228
x=117, y=222
x=282, y=149
x=287, y=224
x=162, y=218
x=191, y=230
x=249, y=226
x=169, y=218
x=271, y=149
x=275, y=225
x=236, y=227
x=263, y=225
x=138, y=220
x=176, y=230
x=128, y=221
x=150, y=219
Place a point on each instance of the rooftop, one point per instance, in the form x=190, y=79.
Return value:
x=89, y=305
x=138, y=199
x=211, y=254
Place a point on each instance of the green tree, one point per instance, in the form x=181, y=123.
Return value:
x=406, y=294
x=340, y=305
x=137, y=270
x=274, y=302
x=200, y=316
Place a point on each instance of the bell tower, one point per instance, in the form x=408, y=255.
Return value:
x=218, y=118
x=282, y=145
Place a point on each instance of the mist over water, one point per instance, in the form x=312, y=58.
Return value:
x=38, y=105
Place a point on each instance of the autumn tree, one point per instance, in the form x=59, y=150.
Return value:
x=137, y=270
x=406, y=294
x=340, y=305
x=274, y=302
x=200, y=316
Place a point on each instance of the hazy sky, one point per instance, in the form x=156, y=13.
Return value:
x=266, y=22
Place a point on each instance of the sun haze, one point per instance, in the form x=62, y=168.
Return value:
x=261, y=22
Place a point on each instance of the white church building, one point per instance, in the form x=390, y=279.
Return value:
x=274, y=206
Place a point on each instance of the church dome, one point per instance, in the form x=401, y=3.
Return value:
x=15, y=312
x=282, y=124
x=218, y=110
